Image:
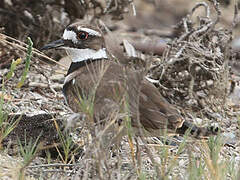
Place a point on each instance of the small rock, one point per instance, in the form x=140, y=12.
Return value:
x=198, y=121
x=58, y=78
x=229, y=138
x=36, y=84
x=56, y=86
x=3, y=72
x=181, y=162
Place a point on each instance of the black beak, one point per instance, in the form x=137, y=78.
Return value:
x=53, y=45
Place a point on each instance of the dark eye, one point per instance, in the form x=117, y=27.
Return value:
x=82, y=35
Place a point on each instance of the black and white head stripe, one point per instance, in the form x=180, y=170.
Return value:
x=71, y=33
x=89, y=31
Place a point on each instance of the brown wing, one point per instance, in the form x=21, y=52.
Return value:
x=113, y=88
x=121, y=86
x=109, y=85
x=155, y=112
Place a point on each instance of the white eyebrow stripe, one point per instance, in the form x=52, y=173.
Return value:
x=90, y=31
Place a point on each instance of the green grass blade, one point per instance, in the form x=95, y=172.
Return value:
x=27, y=65
x=13, y=67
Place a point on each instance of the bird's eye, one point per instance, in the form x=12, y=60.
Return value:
x=82, y=35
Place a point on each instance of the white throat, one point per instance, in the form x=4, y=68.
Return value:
x=78, y=55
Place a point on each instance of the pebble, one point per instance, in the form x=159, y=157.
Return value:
x=182, y=162
x=229, y=138
x=58, y=78
x=198, y=121
x=37, y=84
x=56, y=86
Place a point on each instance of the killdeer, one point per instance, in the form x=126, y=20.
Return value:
x=93, y=71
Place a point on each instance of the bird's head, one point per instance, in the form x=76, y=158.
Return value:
x=82, y=42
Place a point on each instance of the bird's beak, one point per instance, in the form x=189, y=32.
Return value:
x=55, y=44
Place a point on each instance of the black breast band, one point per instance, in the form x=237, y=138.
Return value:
x=73, y=67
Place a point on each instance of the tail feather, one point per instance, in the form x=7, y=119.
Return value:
x=198, y=132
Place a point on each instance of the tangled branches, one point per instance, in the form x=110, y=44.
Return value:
x=194, y=69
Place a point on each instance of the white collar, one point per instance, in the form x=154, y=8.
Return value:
x=78, y=55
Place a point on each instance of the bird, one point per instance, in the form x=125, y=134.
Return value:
x=96, y=74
